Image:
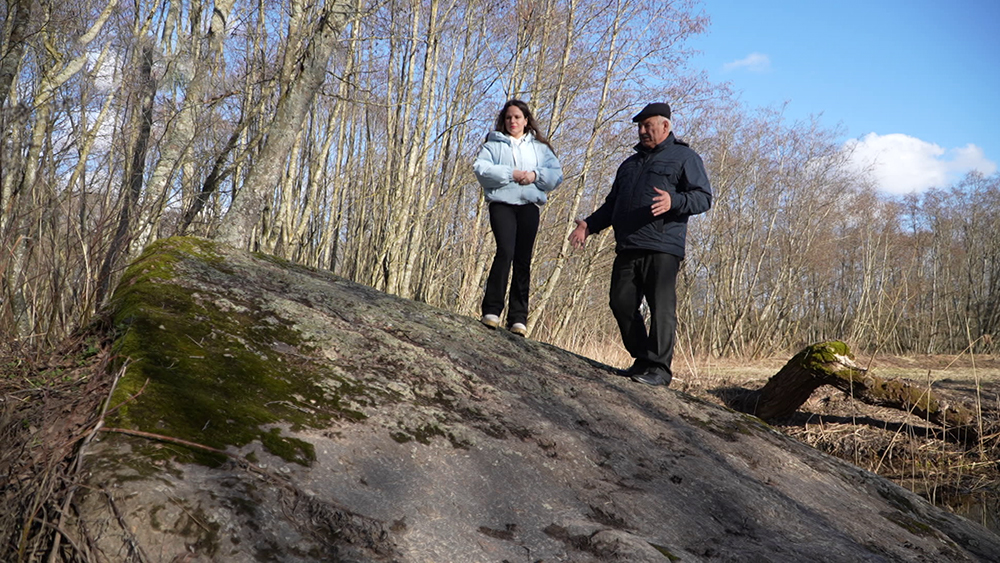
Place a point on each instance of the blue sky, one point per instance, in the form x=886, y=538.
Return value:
x=915, y=83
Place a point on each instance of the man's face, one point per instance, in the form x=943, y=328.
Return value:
x=653, y=130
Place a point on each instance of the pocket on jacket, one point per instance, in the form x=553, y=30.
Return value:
x=667, y=172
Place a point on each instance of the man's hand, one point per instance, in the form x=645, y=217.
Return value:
x=579, y=235
x=661, y=202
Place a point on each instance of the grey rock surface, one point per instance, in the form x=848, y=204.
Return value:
x=451, y=442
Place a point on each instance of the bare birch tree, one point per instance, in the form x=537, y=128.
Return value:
x=340, y=135
x=294, y=104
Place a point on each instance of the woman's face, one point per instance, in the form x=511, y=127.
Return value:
x=514, y=121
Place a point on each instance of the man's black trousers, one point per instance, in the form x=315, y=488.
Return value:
x=653, y=275
x=514, y=228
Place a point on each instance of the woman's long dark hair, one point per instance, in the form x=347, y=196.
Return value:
x=530, y=127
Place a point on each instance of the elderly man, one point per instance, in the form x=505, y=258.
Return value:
x=654, y=192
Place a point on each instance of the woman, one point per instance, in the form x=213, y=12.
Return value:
x=516, y=168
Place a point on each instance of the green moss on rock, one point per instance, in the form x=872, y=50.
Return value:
x=910, y=524
x=819, y=357
x=211, y=370
x=665, y=552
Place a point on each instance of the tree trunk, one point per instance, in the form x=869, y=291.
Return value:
x=181, y=130
x=133, y=180
x=14, y=42
x=600, y=123
x=292, y=109
x=832, y=363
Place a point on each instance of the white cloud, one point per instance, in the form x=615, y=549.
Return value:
x=754, y=62
x=902, y=164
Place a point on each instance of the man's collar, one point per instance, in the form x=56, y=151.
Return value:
x=668, y=141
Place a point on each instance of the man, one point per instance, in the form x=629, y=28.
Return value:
x=654, y=192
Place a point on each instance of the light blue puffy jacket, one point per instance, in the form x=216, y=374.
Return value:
x=494, y=168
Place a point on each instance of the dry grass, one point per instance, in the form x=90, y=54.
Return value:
x=48, y=410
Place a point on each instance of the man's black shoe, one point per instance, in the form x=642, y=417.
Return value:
x=653, y=377
x=636, y=368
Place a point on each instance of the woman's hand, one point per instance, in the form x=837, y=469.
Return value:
x=524, y=177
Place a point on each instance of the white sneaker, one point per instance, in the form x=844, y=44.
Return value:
x=491, y=321
x=519, y=329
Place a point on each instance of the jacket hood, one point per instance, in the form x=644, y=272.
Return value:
x=505, y=138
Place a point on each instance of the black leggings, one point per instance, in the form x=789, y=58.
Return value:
x=514, y=228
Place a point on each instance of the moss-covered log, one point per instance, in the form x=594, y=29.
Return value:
x=832, y=363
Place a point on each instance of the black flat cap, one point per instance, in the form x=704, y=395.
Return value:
x=658, y=108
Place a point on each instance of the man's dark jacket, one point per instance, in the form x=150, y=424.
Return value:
x=671, y=166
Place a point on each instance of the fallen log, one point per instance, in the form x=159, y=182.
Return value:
x=832, y=363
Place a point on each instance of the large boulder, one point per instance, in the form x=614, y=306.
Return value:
x=270, y=412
